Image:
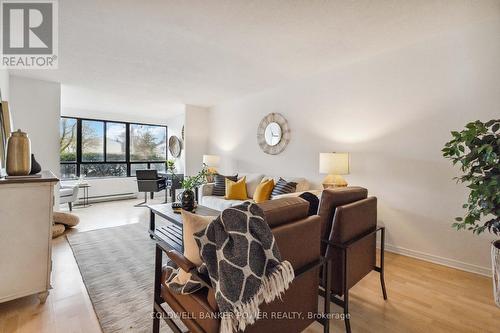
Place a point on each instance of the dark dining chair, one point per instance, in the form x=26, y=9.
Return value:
x=148, y=181
x=173, y=183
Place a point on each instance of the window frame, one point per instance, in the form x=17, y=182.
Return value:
x=127, y=161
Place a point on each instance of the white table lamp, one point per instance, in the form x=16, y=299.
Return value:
x=334, y=165
x=211, y=161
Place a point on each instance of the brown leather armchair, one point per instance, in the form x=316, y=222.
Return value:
x=291, y=227
x=349, y=227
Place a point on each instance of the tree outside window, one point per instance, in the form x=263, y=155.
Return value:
x=147, y=143
x=67, y=141
x=92, y=141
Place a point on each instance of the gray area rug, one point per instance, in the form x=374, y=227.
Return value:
x=117, y=266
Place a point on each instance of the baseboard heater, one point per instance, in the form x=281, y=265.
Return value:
x=110, y=197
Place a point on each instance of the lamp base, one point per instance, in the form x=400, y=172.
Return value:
x=211, y=173
x=332, y=181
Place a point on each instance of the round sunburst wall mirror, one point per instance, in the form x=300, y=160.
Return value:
x=273, y=134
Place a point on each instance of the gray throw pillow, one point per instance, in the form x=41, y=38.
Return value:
x=219, y=188
x=283, y=187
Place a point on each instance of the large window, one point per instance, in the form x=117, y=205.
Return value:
x=147, y=143
x=100, y=148
x=92, y=141
x=67, y=132
x=116, y=141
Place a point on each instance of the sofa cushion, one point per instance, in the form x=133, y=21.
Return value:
x=253, y=180
x=66, y=192
x=219, y=188
x=302, y=184
x=191, y=223
x=263, y=191
x=236, y=190
x=283, y=187
x=219, y=203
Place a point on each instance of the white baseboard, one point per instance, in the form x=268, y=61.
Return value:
x=486, y=271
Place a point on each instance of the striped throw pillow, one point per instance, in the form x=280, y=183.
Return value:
x=283, y=187
x=220, y=184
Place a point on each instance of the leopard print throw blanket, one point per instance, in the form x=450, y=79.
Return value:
x=243, y=264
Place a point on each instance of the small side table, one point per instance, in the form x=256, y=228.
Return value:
x=85, y=188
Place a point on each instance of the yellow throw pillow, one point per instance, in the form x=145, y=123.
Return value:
x=192, y=223
x=236, y=190
x=263, y=191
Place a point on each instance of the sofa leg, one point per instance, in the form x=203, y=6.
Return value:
x=70, y=205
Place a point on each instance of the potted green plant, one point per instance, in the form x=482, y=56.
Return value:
x=476, y=150
x=170, y=165
x=189, y=184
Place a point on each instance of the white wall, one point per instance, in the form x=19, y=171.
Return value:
x=35, y=108
x=393, y=112
x=175, y=125
x=4, y=84
x=196, y=138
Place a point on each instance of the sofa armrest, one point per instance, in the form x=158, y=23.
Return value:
x=184, y=263
x=76, y=189
x=205, y=190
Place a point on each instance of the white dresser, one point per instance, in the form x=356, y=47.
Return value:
x=26, y=236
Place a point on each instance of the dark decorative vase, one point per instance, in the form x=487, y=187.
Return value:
x=35, y=166
x=187, y=200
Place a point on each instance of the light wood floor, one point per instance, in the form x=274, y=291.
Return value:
x=423, y=297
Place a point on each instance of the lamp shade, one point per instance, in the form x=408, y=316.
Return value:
x=211, y=160
x=334, y=163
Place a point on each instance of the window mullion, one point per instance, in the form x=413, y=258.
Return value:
x=105, y=157
x=78, y=146
x=127, y=148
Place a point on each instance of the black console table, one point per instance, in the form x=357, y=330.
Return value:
x=170, y=233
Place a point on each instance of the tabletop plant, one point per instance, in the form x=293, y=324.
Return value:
x=476, y=150
x=191, y=182
x=170, y=165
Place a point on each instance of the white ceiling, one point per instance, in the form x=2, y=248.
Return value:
x=150, y=57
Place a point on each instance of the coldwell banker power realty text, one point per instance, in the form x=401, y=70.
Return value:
x=29, y=34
